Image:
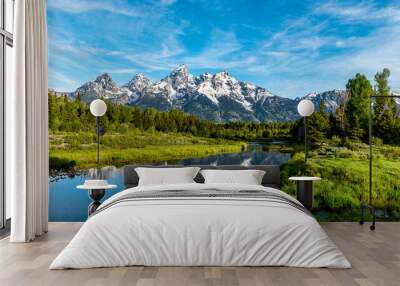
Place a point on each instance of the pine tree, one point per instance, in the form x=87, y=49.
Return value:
x=318, y=125
x=54, y=112
x=357, y=108
x=340, y=120
x=78, y=97
x=385, y=107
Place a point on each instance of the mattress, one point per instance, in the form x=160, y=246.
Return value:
x=201, y=225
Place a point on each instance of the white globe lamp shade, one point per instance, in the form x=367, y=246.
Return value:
x=98, y=107
x=305, y=107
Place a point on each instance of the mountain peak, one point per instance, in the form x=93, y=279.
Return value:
x=105, y=81
x=222, y=77
x=102, y=87
x=104, y=76
x=223, y=73
x=181, y=67
x=205, y=77
x=180, y=79
x=181, y=70
x=311, y=95
x=331, y=98
x=139, y=82
x=139, y=76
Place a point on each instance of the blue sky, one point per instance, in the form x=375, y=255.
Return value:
x=289, y=47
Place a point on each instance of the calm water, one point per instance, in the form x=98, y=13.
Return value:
x=66, y=203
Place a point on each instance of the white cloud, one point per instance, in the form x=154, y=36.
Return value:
x=219, y=53
x=164, y=56
x=222, y=51
x=149, y=61
x=81, y=6
x=128, y=71
x=112, y=49
x=114, y=53
x=75, y=49
x=375, y=52
x=301, y=34
x=310, y=54
x=167, y=2
x=60, y=81
x=339, y=44
x=292, y=50
x=362, y=11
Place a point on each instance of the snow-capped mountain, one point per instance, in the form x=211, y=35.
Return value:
x=216, y=97
x=135, y=87
x=397, y=99
x=104, y=87
x=332, y=99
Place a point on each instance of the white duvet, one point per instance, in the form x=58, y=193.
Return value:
x=200, y=231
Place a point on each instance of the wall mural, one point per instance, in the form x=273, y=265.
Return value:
x=218, y=82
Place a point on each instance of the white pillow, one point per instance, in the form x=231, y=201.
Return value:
x=166, y=176
x=248, y=177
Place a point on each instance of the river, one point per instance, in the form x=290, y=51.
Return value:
x=67, y=203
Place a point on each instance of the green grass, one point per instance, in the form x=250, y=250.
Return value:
x=134, y=147
x=345, y=181
x=344, y=170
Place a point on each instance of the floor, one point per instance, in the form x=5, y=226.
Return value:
x=375, y=257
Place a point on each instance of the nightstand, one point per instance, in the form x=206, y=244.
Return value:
x=305, y=190
x=97, y=190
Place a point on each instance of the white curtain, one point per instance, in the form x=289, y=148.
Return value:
x=26, y=127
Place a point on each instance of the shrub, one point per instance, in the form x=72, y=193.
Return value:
x=344, y=153
x=336, y=140
x=61, y=164
x=377, y=141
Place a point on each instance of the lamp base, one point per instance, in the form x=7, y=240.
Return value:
x=96, y=195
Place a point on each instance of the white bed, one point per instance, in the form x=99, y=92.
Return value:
x=202, y=231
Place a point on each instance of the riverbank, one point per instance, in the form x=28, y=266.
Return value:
x=78, y=150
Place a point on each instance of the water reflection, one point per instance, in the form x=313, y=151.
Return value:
x=244, y=158
x=66, y=203
x=102, y=174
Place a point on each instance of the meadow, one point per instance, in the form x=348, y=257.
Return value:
x=77, y=150
x=345, y=179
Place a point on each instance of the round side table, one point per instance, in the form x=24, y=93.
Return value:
x=96, y=193
x=305, y=190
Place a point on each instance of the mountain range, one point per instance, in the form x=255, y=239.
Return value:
x=216, y=97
